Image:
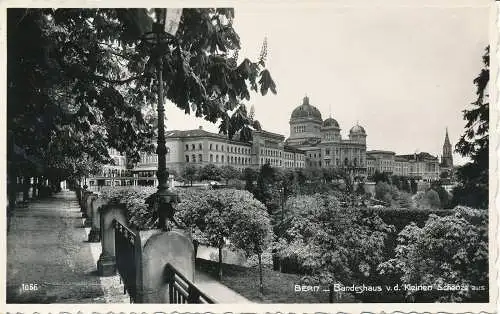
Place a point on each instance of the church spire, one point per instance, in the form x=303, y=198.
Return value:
x=447, y=157
x=446, y=138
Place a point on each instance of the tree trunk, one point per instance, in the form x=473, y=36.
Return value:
x=261, y=285
x=195, y=244
x=330, y=294
x=220, y=262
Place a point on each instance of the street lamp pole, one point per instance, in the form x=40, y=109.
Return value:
x=161, y=149
x=164, y=199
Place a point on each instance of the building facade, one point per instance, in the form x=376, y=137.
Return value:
x=323, y=143
x=313, y=142
x=115, y=174
x=422, y=166
x=199, y=148
x=382, y=161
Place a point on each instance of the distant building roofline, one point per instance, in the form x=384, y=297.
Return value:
x=200, y=133
x=380, y=152
x=421, y=155
x=293, y=149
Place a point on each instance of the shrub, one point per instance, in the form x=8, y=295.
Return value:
x=428, y=200
x=330, y=242
x=447, y=250
x=139, y=215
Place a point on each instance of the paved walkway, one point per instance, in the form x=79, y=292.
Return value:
x=47, y=246
x=216, y=290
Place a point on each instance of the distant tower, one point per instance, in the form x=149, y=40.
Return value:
x=447, y=158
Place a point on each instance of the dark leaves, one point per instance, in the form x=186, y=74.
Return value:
x=266, y=83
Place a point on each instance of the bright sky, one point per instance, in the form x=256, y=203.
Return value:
x=404, y=72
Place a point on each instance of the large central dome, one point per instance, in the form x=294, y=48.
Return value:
x=306, y=110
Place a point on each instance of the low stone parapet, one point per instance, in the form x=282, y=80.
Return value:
x=106, y=265
x=160, y=248
x=95, y=220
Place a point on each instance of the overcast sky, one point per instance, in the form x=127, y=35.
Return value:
x=403, y=72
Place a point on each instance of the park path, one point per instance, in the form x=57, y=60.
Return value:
x=217, y=290
x=47, y=246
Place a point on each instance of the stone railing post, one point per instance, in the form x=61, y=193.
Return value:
x=88, y=209
x=106, y=265
x=78, y=191
x=82, y=198
x=159, y=248
x=85, y=198
x=95, y=231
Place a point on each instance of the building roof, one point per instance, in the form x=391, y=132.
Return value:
x=192, y=133
x=267, y=133
x=306, y=110
x=293, y=149
x=357, y=129
x=330, y=123
x=200, y=133
x=419, y=156
x=380, y=152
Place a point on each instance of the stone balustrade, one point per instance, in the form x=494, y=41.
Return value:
x=148, y=252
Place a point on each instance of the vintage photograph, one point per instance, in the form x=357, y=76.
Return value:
x=330, y=152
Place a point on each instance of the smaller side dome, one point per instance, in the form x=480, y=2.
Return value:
x=357, y=129
x=330, y=122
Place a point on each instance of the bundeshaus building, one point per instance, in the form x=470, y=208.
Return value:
x=322, y=142
x=313, y=142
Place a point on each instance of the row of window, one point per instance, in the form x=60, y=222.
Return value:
x=193, y=146
x=230, y=159
x=271, y=152
x=149, y=158
x=292, y=164
x=230, y=149
x=331, y=136
x=327, y=153
x=299, y=129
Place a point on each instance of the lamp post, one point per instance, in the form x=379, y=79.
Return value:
x=163, y=200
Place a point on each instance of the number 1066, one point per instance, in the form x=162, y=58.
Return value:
x=29, y=287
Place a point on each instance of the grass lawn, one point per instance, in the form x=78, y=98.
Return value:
x=278, y=287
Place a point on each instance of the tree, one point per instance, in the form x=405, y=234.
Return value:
x=254, y=231
x=210, y=172
x=250, y=175
x=474, y=143
x=215, y=213
x=380, y=176
x=444, y=196
x=333, y=244
x=191, y=173
x=449, y=250
x=228, y=172
x=91, y=73
x=383, y=192
x=413, y=186
x=428, y=200
x=405, y=186
x=266, y=189
x=432, y=199
x=404, y=200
